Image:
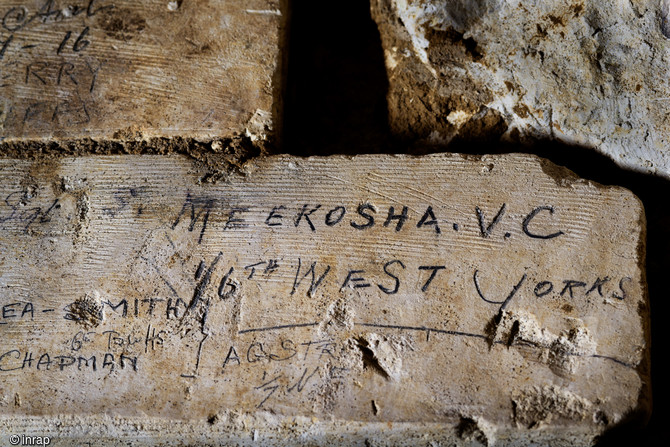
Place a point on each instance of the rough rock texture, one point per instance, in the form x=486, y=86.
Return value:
x=591, y=73
x=102, y=75
x=493, y=300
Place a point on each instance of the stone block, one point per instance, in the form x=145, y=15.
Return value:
x=94, y=75
x=587, y=73
x=496, y=300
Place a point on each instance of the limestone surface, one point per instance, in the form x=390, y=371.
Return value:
x=101, y=71
x=494, y=300
x=590, y=73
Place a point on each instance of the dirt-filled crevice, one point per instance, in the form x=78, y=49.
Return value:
x=219, y=156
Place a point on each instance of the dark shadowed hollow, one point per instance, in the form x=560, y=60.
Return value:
x=335, y=104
